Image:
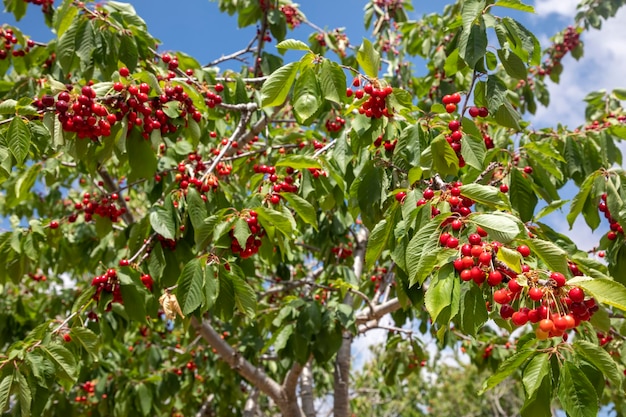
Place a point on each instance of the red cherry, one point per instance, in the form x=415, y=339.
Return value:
x=54, y=224
x=458, y=264
x=455, y=98
x=519, y=318
x=558, y=278
x=67, y=337
x=456, y=224
x=514, y=286
x=454, y=125
x=450, y=108
x=474, y=239
x=494, y=278
x=124, y=262
x=535, y=294
x=452, y=242
x=473, y=111
x=524, y=250
x=466, y=275
x=576, y=294
x=400, y=196
x=124, y=72
x=501, y=296
x=483, y=112
x=546, y=325
x=466, y=249
x=478, y=275
x=528, y=169
x=428, y=193
x=504, y=188
x=484, y=258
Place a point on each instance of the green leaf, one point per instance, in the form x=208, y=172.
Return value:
x=276, y=88
x=24, y=395
x=196, y=208
x=577, y=395
x=144, y=397
x=141, y=157
x=443, y=293
x=245, y=297
x=506, y=368
x=241, y=232
x=63, y=361
x=513, y=65
x=482, y=194
x=473, y=152
x=66, y=47
x=368, y=59
x=87, y=339
x=190, y=284
x=512, y=258
x=578, y=202
x=162, y=222
x=522, y=196
x=211, y=287
x=269, y=217
x=298, y=162
x=129, y=54
x=473, y=311
x=293, y=44
x=303, y=208
x=553, y=255
x=377, y=241
x=18, y=139
x=332, y=81
x=445, y=161
x=133, y=296
x=5, y=391
x=603, y=290
x=473, y=43
x=501, y=226
x=601, y=359
x=537, y=369
x=516, y=5
x=307, y=97
x=424, y=241
x=472, y=10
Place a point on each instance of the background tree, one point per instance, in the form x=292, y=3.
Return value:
x=186, y=240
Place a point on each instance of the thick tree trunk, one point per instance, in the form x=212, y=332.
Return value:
x=306, y=391
x=341, y=405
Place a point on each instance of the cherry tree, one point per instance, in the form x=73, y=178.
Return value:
x=184, y=238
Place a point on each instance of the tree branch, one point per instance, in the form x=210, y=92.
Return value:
x=341, y=405
x=250, y=409
x=251, y=373
x=306, y=391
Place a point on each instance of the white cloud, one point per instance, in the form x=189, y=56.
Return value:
x=566, y=8
x=600, y=68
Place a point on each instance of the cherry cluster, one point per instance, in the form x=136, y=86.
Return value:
x=46, y=5
x=478, y=111
x=335, y=124
x=104, y=205
x=37, y=277
x=616, y=228
x=292, y=16
x=9, y=41
x=451, y=101
x=452, y=195
x=108, y=283
x=342, y=251
x=81, y=114
x=253, y=243
x=454, y=139
x=189, y=174
x=606, y=123
x=388, y=144
x=532, y=296
x=571, y=40
x=376, y=104
x=378, y=277
x=166, y=243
